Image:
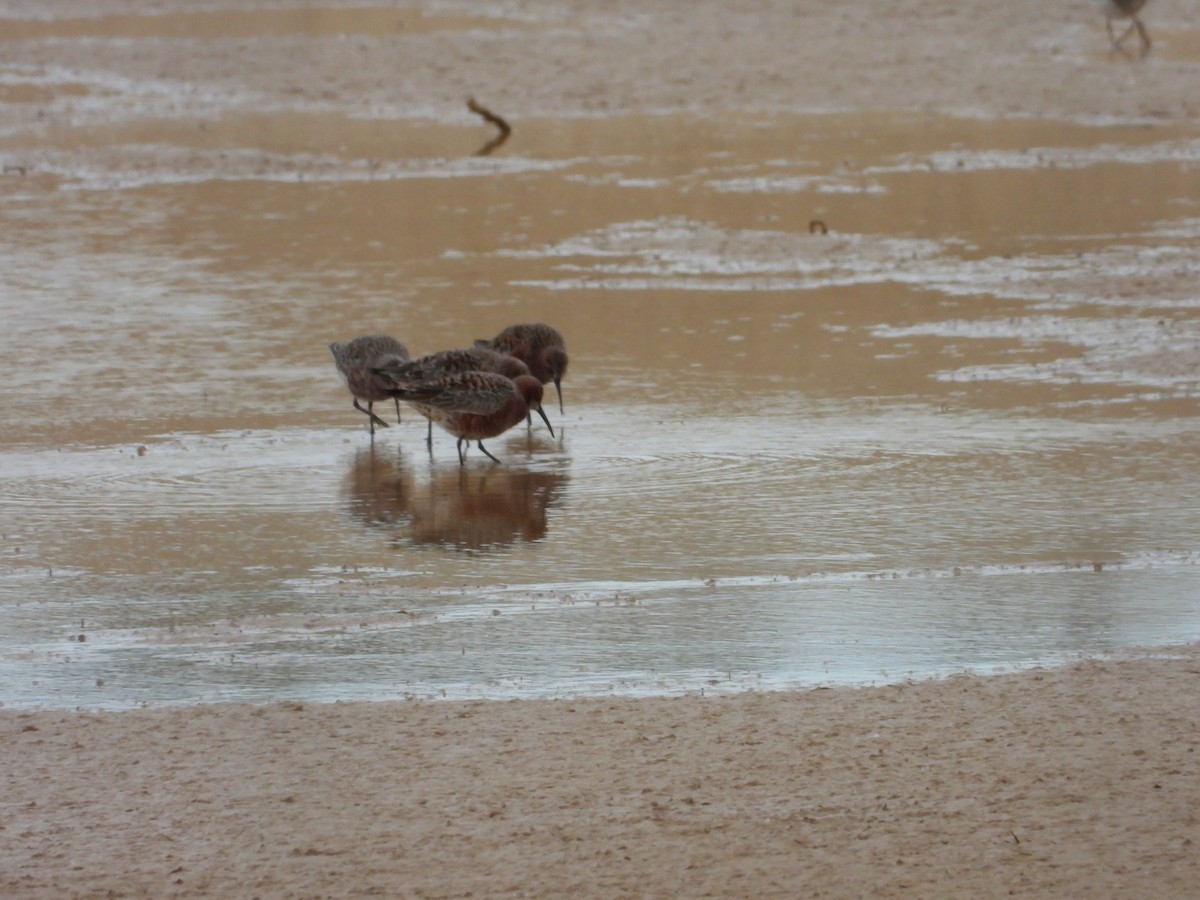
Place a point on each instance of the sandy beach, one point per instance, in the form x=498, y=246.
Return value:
x=1061, y=783
x=1070, y=782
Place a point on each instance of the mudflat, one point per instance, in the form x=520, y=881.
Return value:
x=1046, y=783
x=1077, y=781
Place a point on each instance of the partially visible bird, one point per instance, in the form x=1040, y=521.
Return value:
x=539, y=346
x=357, y=360
x=474, y=405
x=1124, y=9
x=440, y=365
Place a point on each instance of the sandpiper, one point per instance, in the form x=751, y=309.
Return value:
x=444, y=363
x=357, y=360
x=475, y=405
x=540, y=347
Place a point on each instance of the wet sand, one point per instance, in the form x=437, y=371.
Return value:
x=1048, y=783
x=1072, y=782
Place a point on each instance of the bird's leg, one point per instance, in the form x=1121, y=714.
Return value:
x=479, y=444
x=397, y=399
x=1141, y=29
x=429, y=437
x=375, y=420
x=1117, y=42
x=462, y=456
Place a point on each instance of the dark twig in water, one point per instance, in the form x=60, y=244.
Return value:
x=489, y=116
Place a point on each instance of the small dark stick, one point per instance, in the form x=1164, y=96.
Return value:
x=492, y=118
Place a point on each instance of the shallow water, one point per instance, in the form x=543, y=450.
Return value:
x=958, y=431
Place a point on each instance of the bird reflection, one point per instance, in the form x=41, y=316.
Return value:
x=378, y=486
x=463, y=509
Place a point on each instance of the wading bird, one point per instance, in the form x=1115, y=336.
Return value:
x=357, y=361
x=540, y=347
x=474, y=406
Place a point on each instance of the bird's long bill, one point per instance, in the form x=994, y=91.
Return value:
x=542, y=413
x=558, y=387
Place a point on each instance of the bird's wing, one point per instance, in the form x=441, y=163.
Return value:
x=481, y=393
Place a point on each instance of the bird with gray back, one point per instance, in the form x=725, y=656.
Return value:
x=357, y=361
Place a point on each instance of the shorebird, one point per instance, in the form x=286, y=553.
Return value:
x=356, y=361
x=540, y=347
x=440, y=365
x=1124, y=9
x=474, y=406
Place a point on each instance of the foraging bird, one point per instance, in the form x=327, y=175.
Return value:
x=1124, y=9
x=540, y=347
x=440, y=365
x=357, y=359
x=474, y=406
